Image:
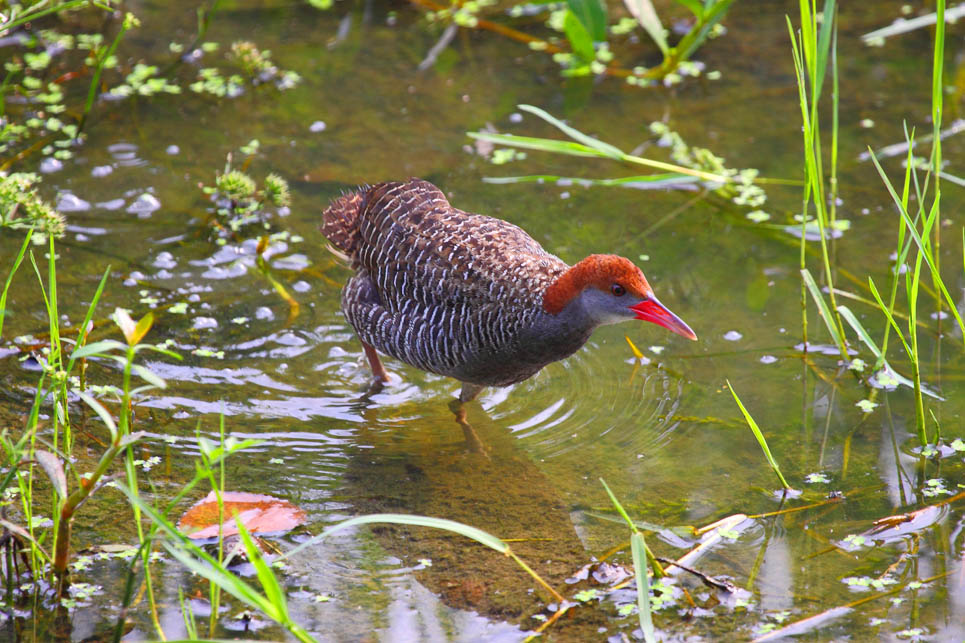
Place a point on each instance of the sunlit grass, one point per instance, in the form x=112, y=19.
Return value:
x=640, y=554
x=761, y=440
x=813, y=48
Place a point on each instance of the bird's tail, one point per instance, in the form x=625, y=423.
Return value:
x=340, y=222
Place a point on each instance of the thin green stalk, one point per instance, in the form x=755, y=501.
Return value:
x=937, y=98
x=657, y=567
x=30, y=15
x=214, y=591
x=56, y=349
x=129, y=22
x=124, y=429
x=903, y=247
x=13, y=271
x=810, y=62
x=26, y=486
x=835, y=99
x=911, y=285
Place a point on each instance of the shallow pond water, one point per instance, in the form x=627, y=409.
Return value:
x=525, y=462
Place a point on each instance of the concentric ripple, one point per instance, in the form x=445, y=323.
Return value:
x=586, y=400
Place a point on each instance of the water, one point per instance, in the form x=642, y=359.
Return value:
x=525, y=461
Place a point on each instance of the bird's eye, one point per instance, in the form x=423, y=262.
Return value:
x=618, y=290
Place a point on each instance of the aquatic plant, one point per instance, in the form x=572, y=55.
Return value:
x=583, y=23
x=814, y=54
x=21, y=208
x=240, y=202
x=56, y=386
x=814, y=50
x=49, y=63
x=693, y=164
x=641, y=553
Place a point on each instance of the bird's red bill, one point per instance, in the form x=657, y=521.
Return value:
x=652, y=310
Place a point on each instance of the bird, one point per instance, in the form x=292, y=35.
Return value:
x=470, y=296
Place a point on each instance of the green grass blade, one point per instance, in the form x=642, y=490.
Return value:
x=881, y=360
x=592, y=14
x=273, y=591
x=860, y=330
x=760, y=436
x=638, y=548
x=102, y=412
x=665, y=180
x=52, y=311
x=97, y=348
x=922, y=246
x=580, y=40
x=888, y=314
x=82, y=331
x=587, y=146
x=604, y=148
x=938, y=81
x=616, y=503
x=824, y=311
x=824, y=46
x=538, y=144
x=222, y=578
x=13, y=271
x=696, y=37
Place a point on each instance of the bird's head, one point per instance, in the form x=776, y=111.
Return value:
x=611, y=289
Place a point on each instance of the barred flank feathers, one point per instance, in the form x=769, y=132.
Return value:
x=340, y=222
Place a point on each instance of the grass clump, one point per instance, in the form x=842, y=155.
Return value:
x=239, y=202
x=22, y=208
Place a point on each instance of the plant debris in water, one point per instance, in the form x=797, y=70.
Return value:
x=259, y=514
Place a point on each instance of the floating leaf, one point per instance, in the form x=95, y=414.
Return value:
x=257, y=512
x=866, y=405
x=758, y=216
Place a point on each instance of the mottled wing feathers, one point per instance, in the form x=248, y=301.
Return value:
x=340, y=222
x=419, y=250
x=450, y=292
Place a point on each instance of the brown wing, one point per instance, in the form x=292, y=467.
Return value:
x=420, y=250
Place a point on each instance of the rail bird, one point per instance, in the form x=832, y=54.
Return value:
x=470, y=296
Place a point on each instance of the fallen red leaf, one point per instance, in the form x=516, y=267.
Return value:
x=258, y=513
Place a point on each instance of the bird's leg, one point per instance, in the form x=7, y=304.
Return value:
x=472, y=440
x=469, y=391
x=375, y=363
